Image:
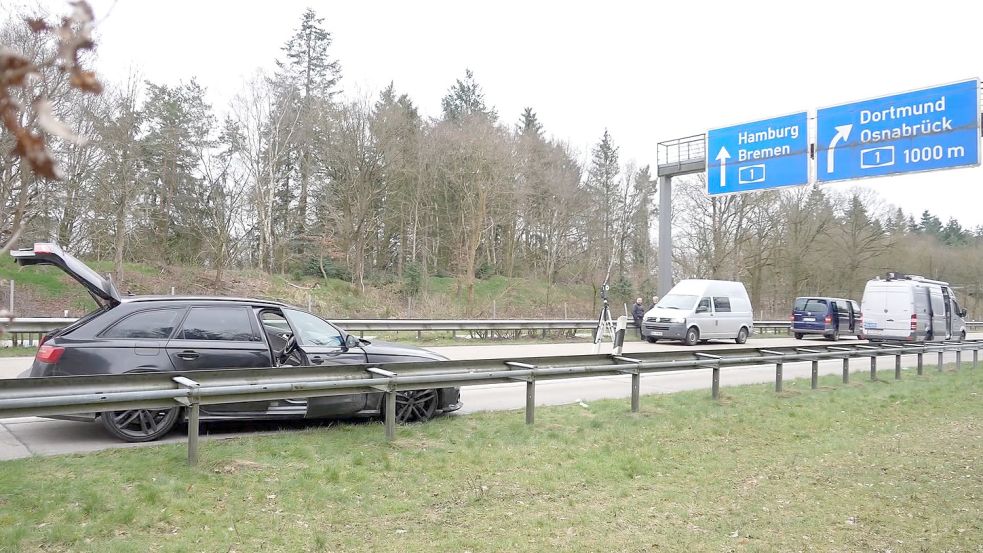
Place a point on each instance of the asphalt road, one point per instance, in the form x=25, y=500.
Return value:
x=24, y=437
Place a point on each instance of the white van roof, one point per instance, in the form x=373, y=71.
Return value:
x=699, y=287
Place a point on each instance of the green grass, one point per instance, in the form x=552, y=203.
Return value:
x=866, y=467
x=48, y=280
x=18, y=351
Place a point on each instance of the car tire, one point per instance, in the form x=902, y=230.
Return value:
x=798, y=335
x=742, y=336
x=140, y=425
x=962, y=336
x=651, y=339
x=692, y=336
x=416, y=405
x=834, y=336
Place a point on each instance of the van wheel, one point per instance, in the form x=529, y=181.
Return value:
x=692, y=336
x=798, y=335
x=962, y=336
x=834, y=336
x=651, y=339
x=742, y=336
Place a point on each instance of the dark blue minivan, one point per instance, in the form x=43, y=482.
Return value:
x=831, y=317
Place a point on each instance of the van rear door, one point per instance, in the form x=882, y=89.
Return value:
x=887, y=310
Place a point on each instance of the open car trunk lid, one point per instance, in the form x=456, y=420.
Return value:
x=46, y=253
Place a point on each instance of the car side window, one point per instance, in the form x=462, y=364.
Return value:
x=721, y=304
x=703, y=306
x=155, y=324
x=229, y=324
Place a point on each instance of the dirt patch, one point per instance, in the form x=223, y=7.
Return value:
x=236, y=466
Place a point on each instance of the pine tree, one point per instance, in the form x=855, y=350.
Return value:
x=602, y=185
x=465, y=99
x=530, y=126
x=308, y=80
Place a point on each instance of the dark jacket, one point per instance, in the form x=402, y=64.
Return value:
x=637, y=311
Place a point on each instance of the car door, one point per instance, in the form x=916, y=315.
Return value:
x=136, y=341
x=323, y=344
x=220, y=337
x=726, y=324
x=704, y=319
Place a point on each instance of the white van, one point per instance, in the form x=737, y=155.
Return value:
x=696, y=310
x=912, y=309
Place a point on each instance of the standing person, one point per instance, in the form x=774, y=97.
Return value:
x=655, y=300
x=638, y=313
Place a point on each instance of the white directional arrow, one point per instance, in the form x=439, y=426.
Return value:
x=842, y=133
x=722, y=157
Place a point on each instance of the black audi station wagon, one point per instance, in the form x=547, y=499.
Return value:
x=174, y=333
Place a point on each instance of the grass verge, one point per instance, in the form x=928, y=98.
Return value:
x=872, y=466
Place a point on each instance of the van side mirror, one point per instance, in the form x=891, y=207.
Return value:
x=702, y=309
x=962, y=313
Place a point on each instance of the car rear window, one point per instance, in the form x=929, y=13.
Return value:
x=153, y=324
x=815, y=306
x=800, y=304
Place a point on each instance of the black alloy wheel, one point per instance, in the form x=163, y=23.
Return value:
x=140, y=425
x=416, y=405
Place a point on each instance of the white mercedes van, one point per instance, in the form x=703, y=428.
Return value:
x=912, y=309
x=699, y=310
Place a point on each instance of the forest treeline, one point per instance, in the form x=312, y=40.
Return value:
x=296, y=177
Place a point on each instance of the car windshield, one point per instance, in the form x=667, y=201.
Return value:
x=677, y=301
x=313, y=331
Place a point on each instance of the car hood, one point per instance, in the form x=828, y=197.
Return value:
x=402, y=350
x=657, y=312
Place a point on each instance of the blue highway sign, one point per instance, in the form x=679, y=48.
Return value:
x=934, y=128
x=758, y=155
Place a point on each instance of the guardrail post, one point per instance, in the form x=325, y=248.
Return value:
x=976, y=352
x=636, y=381
x=897, y=367
x=193, y=412
x=959, y=358
x=940, y=360
x=389, y=410
x=815, y=374
x=921, y=362
x=778, y=376
x=846, y=370
x=530, y=388
x=873, y=367
x=390, y=415
x=715, y=368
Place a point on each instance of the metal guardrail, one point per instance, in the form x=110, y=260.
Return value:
x=98, y=393
x=29, y=330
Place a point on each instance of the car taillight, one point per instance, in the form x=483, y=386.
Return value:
x=914, y=322
x=828, y=319
x=791, y=317
x=49, y=354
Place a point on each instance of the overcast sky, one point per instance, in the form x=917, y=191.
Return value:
x=646, y=71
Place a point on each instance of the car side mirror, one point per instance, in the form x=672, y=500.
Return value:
x=962, y=313
x=288, y=348
x=352, y=341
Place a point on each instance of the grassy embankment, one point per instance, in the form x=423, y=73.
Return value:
x=882, y=466
x=46, y=291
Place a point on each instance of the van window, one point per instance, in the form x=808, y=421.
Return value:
x=800, y=304
x=721, y=304
x=703, y=306
x=815, y=306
